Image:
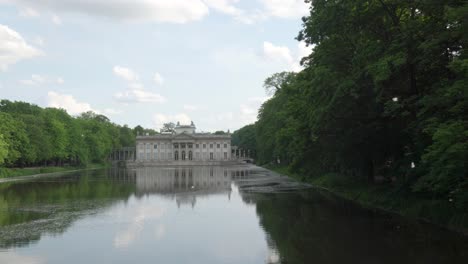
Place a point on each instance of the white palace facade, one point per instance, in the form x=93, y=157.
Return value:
x=184, y=146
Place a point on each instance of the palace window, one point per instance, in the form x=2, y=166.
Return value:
x=197, y=145
x=211, y=145
x=204, y=145
x=155, y=155
x=218, y=145
x=155, y=146
x=176, y=145
x=190, y=155
x=183, y=154
x=225, y=155
x=225, y=145
x=190, y=146
x=147, y=146
x=176, y=155
x=182, y=145
x=148, y=156
x=211, y=155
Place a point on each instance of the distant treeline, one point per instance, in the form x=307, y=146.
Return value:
x=384, y=94
x=35, y=136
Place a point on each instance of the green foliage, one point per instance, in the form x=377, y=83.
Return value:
x=245, y=138
x=33, y=136
x=385, y=87
x=3, y=150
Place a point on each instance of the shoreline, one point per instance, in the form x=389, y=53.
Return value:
x=382, y=202
x=60, y=170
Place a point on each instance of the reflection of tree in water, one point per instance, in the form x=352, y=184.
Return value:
x=30, y=209
x=310, y=227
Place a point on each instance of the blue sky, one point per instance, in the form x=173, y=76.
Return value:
x=149, y=61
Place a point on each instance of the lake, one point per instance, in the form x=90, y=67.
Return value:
x=232, y=214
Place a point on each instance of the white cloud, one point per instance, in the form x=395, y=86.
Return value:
x=14, y=48
x=188, y=107
x=160, y=119
x=136, y=92
x=28, y=12
x=224, y=6
x=286, y=8
x=67, y=102
x=283, y=55
x=171, y=11
x=158, y=79
x=304, y=50
x=277, y=53
x=139, y=96
x=37, y=79
x=249, y=110
x=125, y=73
x=136, y=86
x=111, y=111
x=39, y=41
x=56, y=20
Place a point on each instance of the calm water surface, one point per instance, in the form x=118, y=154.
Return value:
x=241, y=214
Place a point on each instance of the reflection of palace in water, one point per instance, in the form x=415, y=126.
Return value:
x=185, y=183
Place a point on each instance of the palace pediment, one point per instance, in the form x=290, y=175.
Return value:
x=184, y=136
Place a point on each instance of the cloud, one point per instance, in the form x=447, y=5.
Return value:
x=136, y=86
x=224, y=6
x=136, y=92
x=28, y=12
x=283, y=55
x=249, y=110
x=277, y=53
x=56, y=20
x=160, y=119
x=14, y=48
x=111, y=111
x=286, y=8
x=39, y=41
x=67, y=102
x=139, y=96
x=188, y=107
x=158, y=79
x=170, y=11
x=125, y=73
x=37, y=79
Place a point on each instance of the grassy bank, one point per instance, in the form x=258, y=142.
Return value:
x=451, y=212
x=16, y=172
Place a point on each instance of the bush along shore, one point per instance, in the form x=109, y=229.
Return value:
x=18, y=172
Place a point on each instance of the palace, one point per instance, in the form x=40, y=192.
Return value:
x=183, y=146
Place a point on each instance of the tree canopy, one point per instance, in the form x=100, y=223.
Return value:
x=384, y=93
x=31, y=135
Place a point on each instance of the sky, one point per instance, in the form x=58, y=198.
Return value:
x=148, y=62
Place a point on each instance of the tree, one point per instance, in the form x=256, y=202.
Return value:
x=3, y=150
x=168, y=127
